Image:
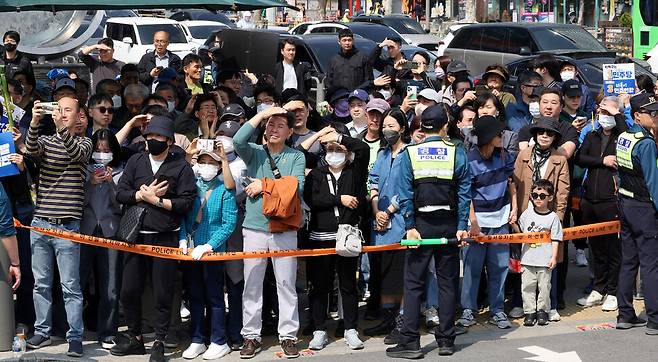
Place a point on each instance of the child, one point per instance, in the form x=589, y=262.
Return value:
x=539, y=259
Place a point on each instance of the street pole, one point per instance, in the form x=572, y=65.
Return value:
x=428, y=14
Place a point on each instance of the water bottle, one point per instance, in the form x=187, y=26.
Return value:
x=23, y=342
x=16, y=348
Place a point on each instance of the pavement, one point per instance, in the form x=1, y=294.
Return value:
x=582, y=335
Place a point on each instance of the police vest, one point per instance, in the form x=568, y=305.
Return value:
x=632, y=183
x=433, y=167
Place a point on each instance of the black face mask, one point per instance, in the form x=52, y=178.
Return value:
x=391, y=136
x=156, y=147
x=10, y=47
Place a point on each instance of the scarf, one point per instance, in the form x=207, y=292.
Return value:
x=539, y=158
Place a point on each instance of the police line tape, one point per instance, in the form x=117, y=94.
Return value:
x=571, y=233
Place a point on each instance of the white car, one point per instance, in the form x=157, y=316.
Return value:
x=197, y=31
x=133, y=37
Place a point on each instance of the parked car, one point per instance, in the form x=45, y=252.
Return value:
x=133, y=37
x=480, y=45
x=202, y=14
x=372, y=31
x=197, y=31
x=412, y=32
x=443, y=44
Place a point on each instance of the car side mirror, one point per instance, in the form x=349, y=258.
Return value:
x=128, y=40
x=524, y=51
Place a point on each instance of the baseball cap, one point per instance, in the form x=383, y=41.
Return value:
x=359, y=94
x=338, y=94
x=228, y=128
x=232, y=109
x=161, y=125
x=166, y=75
x=377, y=104
x=457, y=66
x=65, y=82
x=571, y=88
x=495, y=72
x=644, y=100
x=429, y=93
x=57, y=73
x=433, y=118
x=211, y=154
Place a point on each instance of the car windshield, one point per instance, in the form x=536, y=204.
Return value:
x=566, y=38
x=404, y=25
x=203, y=31
x=176, y=34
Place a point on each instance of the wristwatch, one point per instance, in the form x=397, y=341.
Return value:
x=160, y=202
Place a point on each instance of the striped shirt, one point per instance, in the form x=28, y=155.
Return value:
x=489, y=187
x=62, y=158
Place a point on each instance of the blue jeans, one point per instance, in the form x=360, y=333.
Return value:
x=496, y=257
x=46, y=250
x=205, y=288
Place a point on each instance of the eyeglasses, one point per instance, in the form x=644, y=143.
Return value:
x=537, y=196
x=102, y=109
x=546, y=132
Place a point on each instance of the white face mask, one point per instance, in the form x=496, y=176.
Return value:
x=116, y=100
x=385, y=93
x=420, y=108
x=263, y=106
x=335, y=159
x=567, y=75
x=607, y=122
x=439, y=73
x=207, y=172
x=102, y=157
x=534, y=109
x=227, y=142
x=171, y=106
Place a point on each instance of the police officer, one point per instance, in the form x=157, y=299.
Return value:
x=434, y=199
x=638, y=203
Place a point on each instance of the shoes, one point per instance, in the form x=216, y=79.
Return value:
x=459, y=330
x=38, y=341
x=184, y=312
x=194, y=350
x=516, y=312
x=401, y=351
x=466, y=319
x=652, y=329
x=75, y=349
x=250, y=348
x=352, y=339
x=446, y=347
x=157, y=352
x=542, y=318
x=581, y=258
x=386, y=326
x=319, y=340
x=431, y=318
x=340, y=329
x=171, y=340
x=216, y=351
x=530, y=319
x=500, y=320
x=289, y=348
x=609, y=304
x=554, y=316
x=635, y=322
x=594, y=298
x=236, y=346
x=108, y=342
x=393, y=337
x=127, y=345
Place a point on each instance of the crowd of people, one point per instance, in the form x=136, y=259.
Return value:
x=151, y=154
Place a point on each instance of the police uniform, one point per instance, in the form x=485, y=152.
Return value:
x=434, y=199
x=638, y=204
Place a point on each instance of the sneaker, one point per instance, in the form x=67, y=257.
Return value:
x=352, y=339
x=516, y=312
x=500, y=320
x=289, y=348
x=184, y=312
x=38, y=341
x=581, y=258
x=216, y=351
x=635, y=322
x=75, y=349
x=594, y=298
x=127, y=345
x=401, y=351
x=393, y=337
x=446, y=347
x=553, y=316
x=530, y=319
x=319, y=341
x=108, y=342
x=171, y=340
x=157, y=352
x=609, y=304
x=250, y=348
x=194, y=350
x=542, y=318
x=466, y=319
x=236, y=346
x=431, y=318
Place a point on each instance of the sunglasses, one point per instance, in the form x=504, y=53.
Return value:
x=546, y=132
x=536, y=196
x=102, y=109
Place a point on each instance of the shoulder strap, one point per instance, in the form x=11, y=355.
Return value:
x=275, y=170
x=331, y=191
x=199, y=215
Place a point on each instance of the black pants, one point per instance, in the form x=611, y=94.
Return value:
x=639, y=248
x=321, y=275
x=163, y=274
x=446, y=258
x=606, y=249
x=234, y=317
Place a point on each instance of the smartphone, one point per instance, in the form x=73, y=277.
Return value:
x=49, y=107
x=160, y=68
x=245, y=181
x=580, y=119
x=412, y=92
x=410, y=65
x=99, y=169
x=204, y=144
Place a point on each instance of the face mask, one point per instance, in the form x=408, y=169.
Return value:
x=171, y=106
x=607, y=122
x=567, y=75
x=263, y=106
x=439, y=73
x=385, y=93
x=207, y=172
x=116, y=100
x=342, y=108
x=335, y=159
x=420, y=108
x=156, y=147
x=534, y=109
x=391, y=136
x=10, y=47
x=102, y=157
x=227, y=142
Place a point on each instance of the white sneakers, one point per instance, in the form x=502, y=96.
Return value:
x=594, y=298
x=319, y=341
x=581, y=258
x=553, y=315
x=352, y=339
x=214, y=351
x=609, y=304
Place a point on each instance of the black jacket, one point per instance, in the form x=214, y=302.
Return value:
x=147, y=63
x=350, y=70
x=302, y=72
x=19, y=63
x=352, y=182
x=182, y=189
x=599, y=184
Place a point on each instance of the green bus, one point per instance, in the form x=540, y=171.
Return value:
x=645, y=27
